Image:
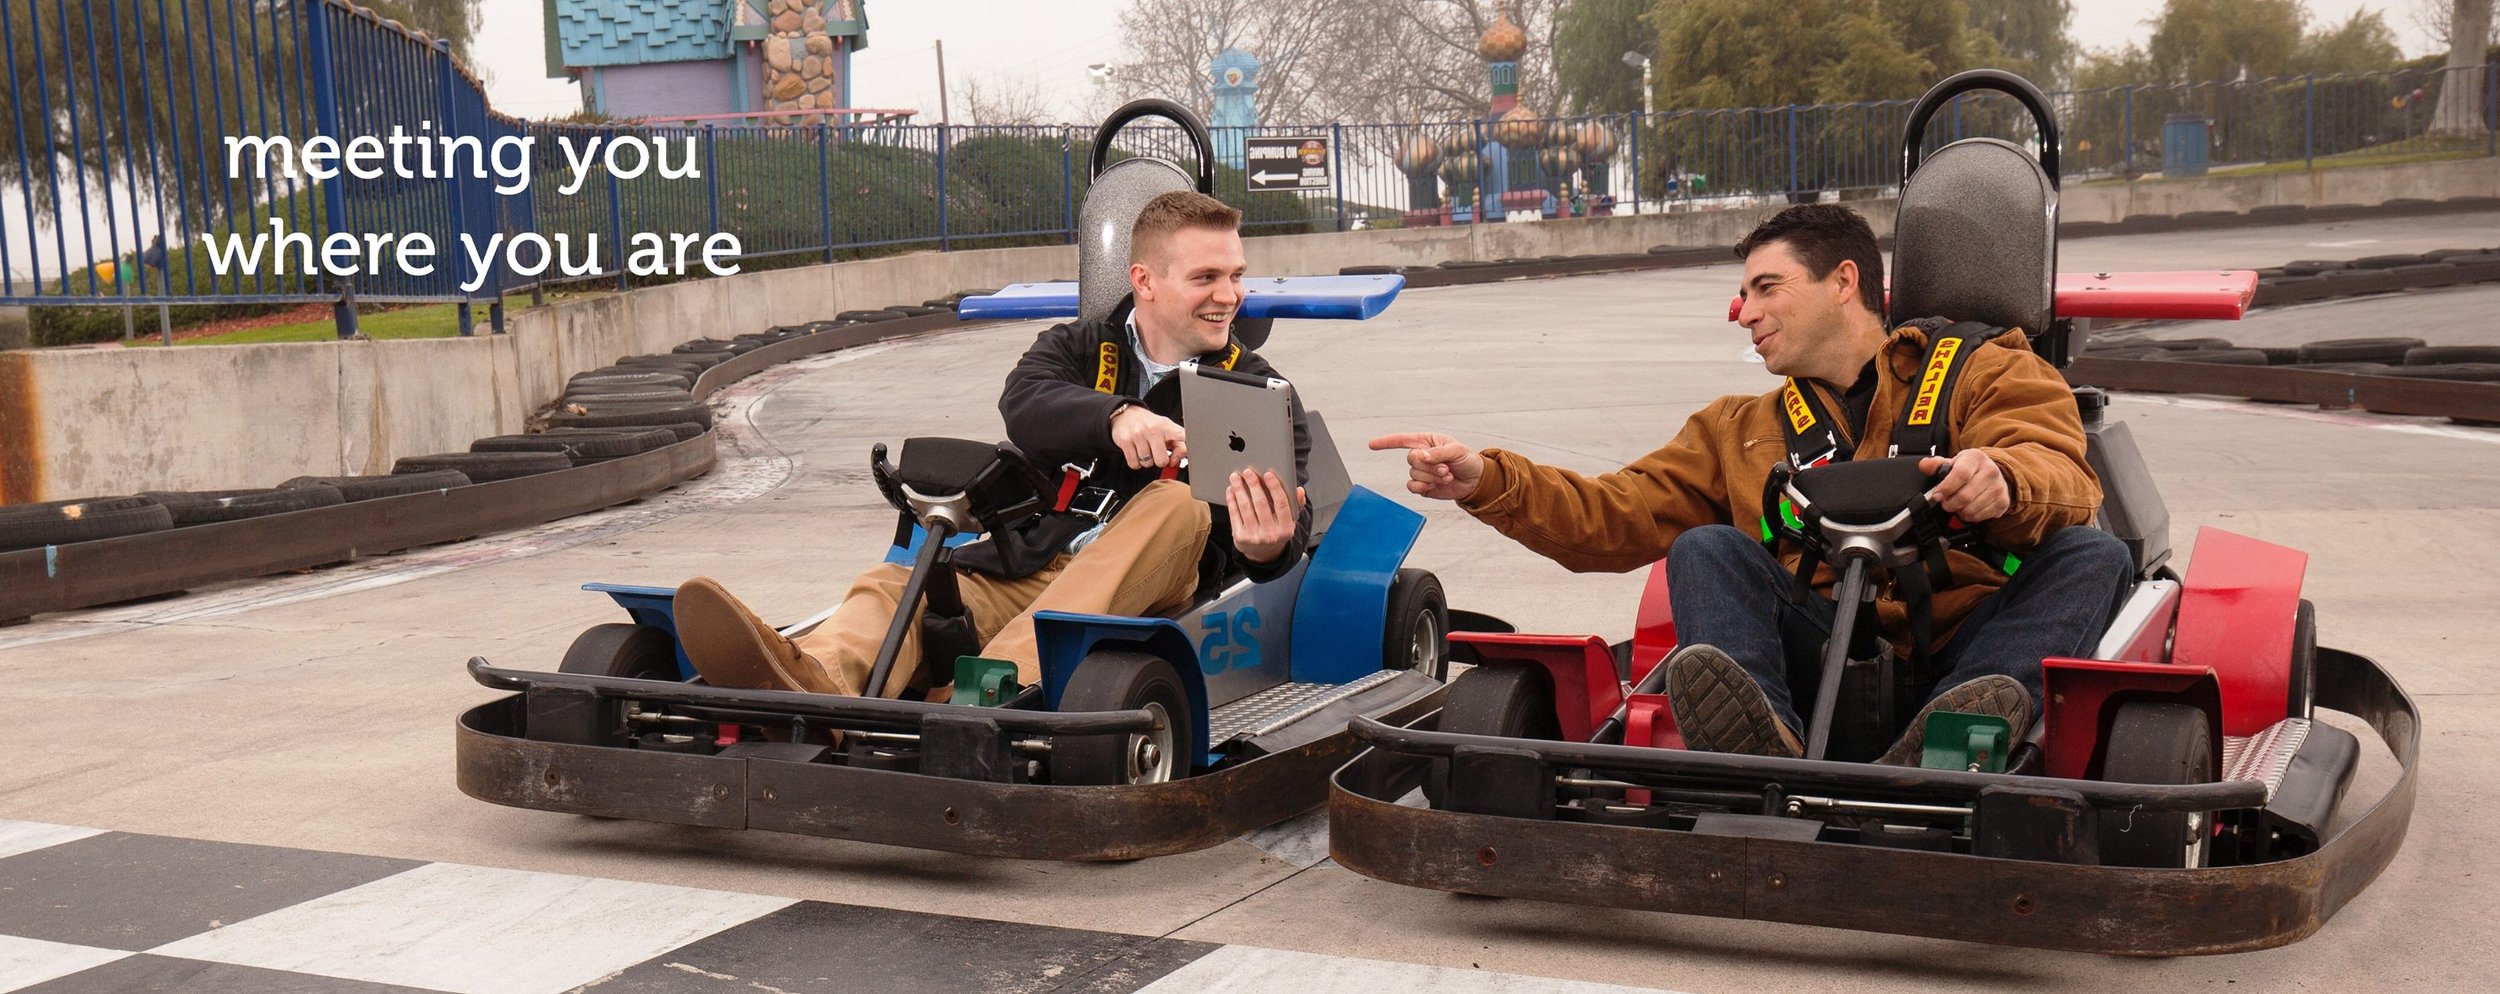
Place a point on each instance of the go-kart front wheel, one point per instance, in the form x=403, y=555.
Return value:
x=1514, y=702
x=1125, y=681
x=1416, y=635
x=638, y=652
x=2158, y=743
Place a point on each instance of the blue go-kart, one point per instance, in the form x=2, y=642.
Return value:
x=1145, y=736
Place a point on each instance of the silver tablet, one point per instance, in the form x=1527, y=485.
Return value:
x=1235, y=421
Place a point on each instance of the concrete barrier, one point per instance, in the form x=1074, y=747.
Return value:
x=2113, y=201
x=90, y=422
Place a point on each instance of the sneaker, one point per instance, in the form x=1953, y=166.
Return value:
x=1995, y=694
x=733, y=648
x=1719, y=708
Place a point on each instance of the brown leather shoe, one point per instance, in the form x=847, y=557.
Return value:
x=1719, y=708
x=731, y=647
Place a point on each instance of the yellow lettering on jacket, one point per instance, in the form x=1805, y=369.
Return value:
x=1923, y=409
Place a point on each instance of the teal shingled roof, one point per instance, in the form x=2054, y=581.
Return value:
x=632, y=32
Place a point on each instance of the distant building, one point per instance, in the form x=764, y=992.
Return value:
x=681, y=58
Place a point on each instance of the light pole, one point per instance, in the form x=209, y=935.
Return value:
x=1641, y=62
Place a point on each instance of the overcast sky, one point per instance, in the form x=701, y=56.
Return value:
x=1049, y=44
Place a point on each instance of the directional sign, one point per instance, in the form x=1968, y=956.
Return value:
x=1287, y=162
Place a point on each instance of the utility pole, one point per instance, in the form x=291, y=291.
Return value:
x=943, y=116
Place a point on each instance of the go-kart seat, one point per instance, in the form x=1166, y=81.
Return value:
x=1120, y=190
x=1976, y=240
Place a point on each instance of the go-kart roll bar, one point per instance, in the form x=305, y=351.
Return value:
x=1911, y=783
x=1154, y=107
x=1914, y=133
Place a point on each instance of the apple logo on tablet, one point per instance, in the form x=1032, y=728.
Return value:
x=1234, y=439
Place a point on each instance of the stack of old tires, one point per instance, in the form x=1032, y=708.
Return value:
x=30, y=526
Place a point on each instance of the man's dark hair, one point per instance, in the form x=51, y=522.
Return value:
x=1821, y=235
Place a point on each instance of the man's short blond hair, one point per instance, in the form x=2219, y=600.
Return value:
x=1170, y=212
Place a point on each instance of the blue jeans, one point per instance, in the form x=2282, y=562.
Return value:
x=1727, y=591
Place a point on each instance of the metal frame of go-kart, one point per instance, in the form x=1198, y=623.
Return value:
x=1655, y=827
x=961, y=777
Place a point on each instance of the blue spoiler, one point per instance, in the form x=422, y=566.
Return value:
x=1353, y=298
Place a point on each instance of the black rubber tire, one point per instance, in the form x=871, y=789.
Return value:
x=2300, y=698
x=61, y=522
x=2313, y=267
x=620, y=416
x=208, y=506
x=356, y=488
x=1367, y=270
x=2388, y=350
x=703, y=346
x=2280, y=355
x=659, y=379
x=2157, y=742
x=630, y=398
x=635, y=652
x=1416, y=634
x=920, y=310
x=2386, y=261
x=2431, y=355
x=486, y=467
x=627, y=379
x=680, y=431
x=582, y=447
x=1510, y=700
x=2217, y=357
x=2467, y=372
x=2187, y=344
x=1113, y=680
x=859, y=317
x=698, y=361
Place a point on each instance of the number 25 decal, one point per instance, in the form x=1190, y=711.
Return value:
x=1232, y=641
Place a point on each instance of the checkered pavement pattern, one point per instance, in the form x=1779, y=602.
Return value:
x=84, y=911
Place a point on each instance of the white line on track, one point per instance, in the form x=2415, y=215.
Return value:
x=748, y=465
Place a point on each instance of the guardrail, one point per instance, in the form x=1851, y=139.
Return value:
x=118, y=165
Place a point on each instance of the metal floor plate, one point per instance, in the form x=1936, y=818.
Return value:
x=1275, y=707
x=2265, y=756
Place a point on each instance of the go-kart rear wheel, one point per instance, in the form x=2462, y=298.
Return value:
x=639, y=652
x=1416, y=636
x=1125, y=681
x=2160, y=743
x=1510, y=701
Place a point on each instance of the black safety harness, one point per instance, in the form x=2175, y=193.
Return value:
x=1095, y=502
x=1815, y=438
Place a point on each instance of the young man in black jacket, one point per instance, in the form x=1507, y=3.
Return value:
x=1092, y=395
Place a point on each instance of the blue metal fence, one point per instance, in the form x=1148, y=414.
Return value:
x=123, y=112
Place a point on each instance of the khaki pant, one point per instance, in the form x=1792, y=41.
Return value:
x=1144, y=563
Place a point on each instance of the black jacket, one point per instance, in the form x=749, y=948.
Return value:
x=1055, y=414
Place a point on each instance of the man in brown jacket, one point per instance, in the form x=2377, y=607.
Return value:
x=1813, y=305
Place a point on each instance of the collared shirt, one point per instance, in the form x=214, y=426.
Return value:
x=1153, y=371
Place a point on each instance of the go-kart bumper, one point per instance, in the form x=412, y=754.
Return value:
x=1737, y=870
x=552, y=746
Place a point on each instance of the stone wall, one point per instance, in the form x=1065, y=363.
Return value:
x=802, y=69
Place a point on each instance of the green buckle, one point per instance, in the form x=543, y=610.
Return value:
x=984, y=682
x=1971, y=742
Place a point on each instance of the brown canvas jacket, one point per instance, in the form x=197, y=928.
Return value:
x=2008, y=401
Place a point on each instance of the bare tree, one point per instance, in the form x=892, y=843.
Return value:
x=993, y=100
x=1336, y=60
x=2460, y=107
